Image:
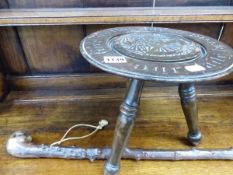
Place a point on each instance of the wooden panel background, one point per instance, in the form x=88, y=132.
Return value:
x=192, y=2
x=43, y=50
x=44, y=3
x=11, y=52
x=55, y=49
x=112, y=3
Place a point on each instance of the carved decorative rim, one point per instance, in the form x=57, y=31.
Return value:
x=169, y=55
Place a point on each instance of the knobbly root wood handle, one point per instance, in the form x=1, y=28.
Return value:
x=20, y=145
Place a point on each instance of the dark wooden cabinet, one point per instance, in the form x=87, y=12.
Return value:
x=46, y=85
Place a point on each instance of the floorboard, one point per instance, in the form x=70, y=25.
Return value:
x=160, y=124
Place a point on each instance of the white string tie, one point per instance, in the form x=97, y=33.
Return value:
x=102, y=124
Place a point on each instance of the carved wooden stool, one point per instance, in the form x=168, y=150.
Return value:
x=159, y=54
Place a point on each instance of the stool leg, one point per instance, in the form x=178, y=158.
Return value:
x=124, y=126
x=188, y=99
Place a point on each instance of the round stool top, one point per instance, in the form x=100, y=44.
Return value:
x=162, y=54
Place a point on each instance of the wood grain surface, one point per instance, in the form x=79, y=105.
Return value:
x=118, y=3
x=85, y=81
x=160, y=124
x=68, y=16
x=12, y=53
x=53, y=49
x=44, y=3
x=71, y=81
x=113, y=3
x=227, y=36
x=50, y=49
x=191, y=2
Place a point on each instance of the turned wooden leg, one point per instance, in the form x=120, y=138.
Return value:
x=124, y=126
x=188, y=100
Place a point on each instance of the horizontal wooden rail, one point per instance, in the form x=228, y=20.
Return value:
x=69, y=81
x=69, y=16
x=82, y=81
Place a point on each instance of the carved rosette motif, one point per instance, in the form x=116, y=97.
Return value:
x=157, y=47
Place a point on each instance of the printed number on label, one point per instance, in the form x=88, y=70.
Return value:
x=114, y=59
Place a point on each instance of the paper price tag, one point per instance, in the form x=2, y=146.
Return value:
x=195, y=68
x=114, y=59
